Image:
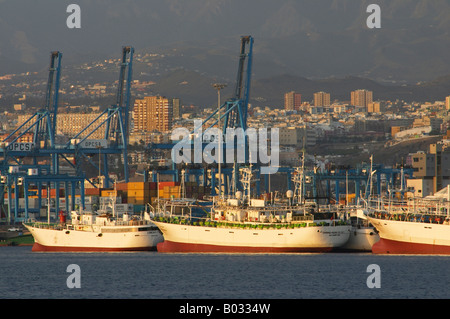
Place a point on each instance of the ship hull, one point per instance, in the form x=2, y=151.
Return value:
x=39, y=247
x=187, y=238
x=169, y=246
x=386, y=246
x=404, y=237
x=72, y=240
x=361, y=239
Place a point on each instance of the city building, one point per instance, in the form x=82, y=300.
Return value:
x=339, y=108
x=434, y=166
x=70, y=124
x=298, y=136
x=25, y=138
x=361, y=98
x=19, y=107
x=313, y=109
x=375, y=107
x=153, y=113
x=422, y=187
x=447, y=103
x=176, y=108
x=292, y=101
x=322, y=99
x=432, y=121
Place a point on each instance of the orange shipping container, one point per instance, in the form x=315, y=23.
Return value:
x=108, y=193
x=138, y=193
x=52, y=192
x=139, y=185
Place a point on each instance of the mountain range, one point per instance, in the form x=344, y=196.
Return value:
x=307, y=45
x=194, y=88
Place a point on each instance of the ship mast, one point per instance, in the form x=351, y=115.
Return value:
x=298, y=180
x=182, y=193
x=246, y=180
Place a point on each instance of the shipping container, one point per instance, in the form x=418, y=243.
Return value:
x=139, y=185
x=162, y=185
x=107, y=200
x=52, y=192
x=92, y=191
x=122, y=186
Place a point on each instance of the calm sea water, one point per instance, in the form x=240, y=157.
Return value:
x=151, y=275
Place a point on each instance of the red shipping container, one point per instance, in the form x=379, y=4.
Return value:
x=92, y=191
x=164, y=184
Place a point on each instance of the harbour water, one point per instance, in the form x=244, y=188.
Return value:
x=152, y=275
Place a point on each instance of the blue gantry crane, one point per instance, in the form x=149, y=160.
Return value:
x=234, y=111
x=35, y=163
x=233, y=114
x=42, y=123
x=114, y=120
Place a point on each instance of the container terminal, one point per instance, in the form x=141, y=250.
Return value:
x=33, y=184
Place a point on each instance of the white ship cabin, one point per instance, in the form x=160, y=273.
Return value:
x=253, y=202
x=89, y=218
x=75, y=217
x=85, y=218
x=252, y=215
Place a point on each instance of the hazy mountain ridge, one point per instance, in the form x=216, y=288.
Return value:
x=194, y=88
x=304, y=39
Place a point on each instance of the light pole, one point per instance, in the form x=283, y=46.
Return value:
x=218, y=87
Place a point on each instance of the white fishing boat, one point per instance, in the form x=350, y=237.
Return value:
x=417, y=226
x=363, y=234
x=101, y=231
x=245, y=225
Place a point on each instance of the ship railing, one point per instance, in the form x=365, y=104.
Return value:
x=307, y=222
x=132, y=223
x=43, y=225
x=413, y=210
x=413, y=217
